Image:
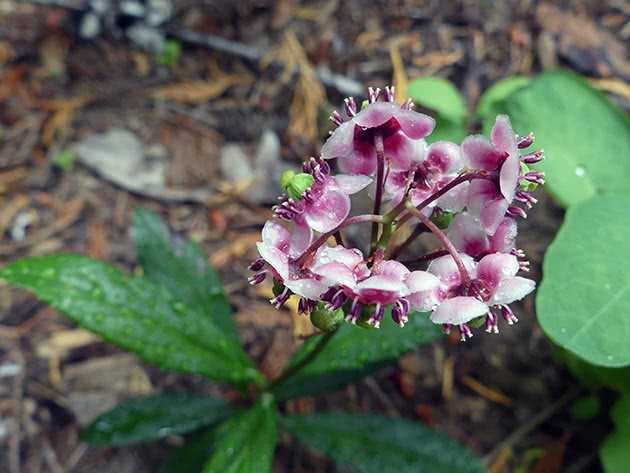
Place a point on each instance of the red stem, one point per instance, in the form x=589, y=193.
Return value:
x=465, y=277
x=380, y=172
x=455, y=182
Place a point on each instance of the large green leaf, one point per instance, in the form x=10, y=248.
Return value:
x=134, y=314
x=155, y=417
x=584, y=297
x=182, y=267
x=488, y=105
x=446, y=130
x=615, y=451
x=376, y=444
x=440, y=95
x=354, y=352
x=245, y=442
x=586, y=139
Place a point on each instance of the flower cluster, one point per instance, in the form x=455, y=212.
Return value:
x=468, y=195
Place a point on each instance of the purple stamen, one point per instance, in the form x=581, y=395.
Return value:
x=525, y=141
x=533, y=158
x=257, y=264
x=492, y=323
x=465, y=332
x=516, y=212
x=354, y=312
x=281, y=298
x=377, y=316
x=508, y=315
x=390, y=93
x=257, y=278
x=350, y=106
x=336, y=118
x=373, y=94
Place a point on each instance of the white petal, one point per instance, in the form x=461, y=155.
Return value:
x=512, y=289
x=458, y=310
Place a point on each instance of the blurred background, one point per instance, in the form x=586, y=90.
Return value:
x=193, y=109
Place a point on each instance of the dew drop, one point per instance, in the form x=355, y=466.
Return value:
x=580, y=171
x=563, y=330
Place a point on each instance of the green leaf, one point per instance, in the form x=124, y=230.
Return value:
x=134, y=314
x=614, y=452
x=585, y=138
x=376, y=444
x=193, y=455
x=354, y=352
x=439, y=95
x=595, y=377
x=181, y=267
x=583, y=300
x=446, y=130
x=245, y=442
x=496, y=93
x=586, y=408
x=155, y=417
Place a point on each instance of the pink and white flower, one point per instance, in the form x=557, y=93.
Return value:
x=402, y=129
x=468, y=236
x=489, y=200
x=429, y=173
x=278, y=250
x=326, y=204
x=346, y=272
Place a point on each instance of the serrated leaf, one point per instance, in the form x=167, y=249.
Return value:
x=585, y=137
x=245, y=442
x=583, y=300
x=439, y=95
x=155, y=417
x=497, y=92
x=614, y=452
x=132, y=313
x=376, y=444
x=181, y=267
x=354, y=352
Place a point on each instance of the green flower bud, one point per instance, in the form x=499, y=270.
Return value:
x=325, y=319
x=295, y=184
x=526, y=185
x=364, y=104
x=442, y=219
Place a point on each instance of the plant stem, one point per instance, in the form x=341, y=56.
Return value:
x=378, y=195
x=465, y=277
x=325, y=236
x=427, y=257
x=468, y=176
x=292, y=370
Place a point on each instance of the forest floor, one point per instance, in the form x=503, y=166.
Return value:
x=211, y=130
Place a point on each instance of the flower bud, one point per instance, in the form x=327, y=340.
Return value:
x=442, y=218
x=325, y=319
x=295, y=184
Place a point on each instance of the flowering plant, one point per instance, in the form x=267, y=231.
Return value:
x=375, y=302
x=476, y=186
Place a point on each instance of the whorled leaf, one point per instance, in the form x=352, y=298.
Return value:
x=585, y=137
x=354, y=352
x=151, y=418
x=583, y=300
x=377, y=444
x=245, y=442
x=490, y=102
x=182, y=267
x=439, y=95
x=134, y=314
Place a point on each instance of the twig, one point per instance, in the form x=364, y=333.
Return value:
x=343, y=84
x=525, y=429
x=382, y=397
